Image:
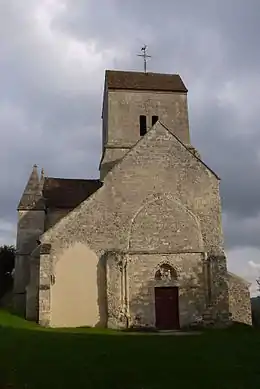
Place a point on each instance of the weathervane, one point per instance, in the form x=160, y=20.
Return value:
x=144, y=55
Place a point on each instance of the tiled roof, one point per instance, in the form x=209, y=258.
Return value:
x=68, y=193
x=144, y=81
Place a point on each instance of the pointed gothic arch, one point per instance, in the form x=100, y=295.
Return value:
x=165, y=272
x=169, y=226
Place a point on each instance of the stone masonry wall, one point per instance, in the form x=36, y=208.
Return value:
x=53, y=216
x=121, y=128
x=158, y=165
x=32, y=289
x=190, y=281
x=239, y=300
x=164, y=224
x=219, y=300
x=30, y=227
x=125, y=108
x=135, y=270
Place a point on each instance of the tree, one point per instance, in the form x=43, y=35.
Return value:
x=7, y=259
x=255, y=306
x=258, y=284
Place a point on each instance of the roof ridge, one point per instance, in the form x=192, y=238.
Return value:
x=141, y=72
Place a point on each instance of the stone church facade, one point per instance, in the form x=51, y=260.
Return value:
x=142, y=245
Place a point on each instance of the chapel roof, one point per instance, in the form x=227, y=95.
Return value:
x=68, y=193
x=116, y=79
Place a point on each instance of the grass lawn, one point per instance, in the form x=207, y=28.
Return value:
x=36, y=358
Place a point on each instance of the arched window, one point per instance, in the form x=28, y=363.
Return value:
x=166, y=272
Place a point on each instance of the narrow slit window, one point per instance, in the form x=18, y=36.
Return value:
x=143, y=127
x=154, y=120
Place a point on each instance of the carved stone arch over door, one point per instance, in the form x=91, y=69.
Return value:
x=166, y=297
x=166, y=273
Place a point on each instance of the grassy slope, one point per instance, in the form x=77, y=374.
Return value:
x=87, y=358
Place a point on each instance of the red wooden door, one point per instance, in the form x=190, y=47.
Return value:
x=167, y=308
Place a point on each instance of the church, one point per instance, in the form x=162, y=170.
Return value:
x=142, y=246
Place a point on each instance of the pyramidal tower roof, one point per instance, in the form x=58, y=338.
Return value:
x=117, y=79
x=31, y=197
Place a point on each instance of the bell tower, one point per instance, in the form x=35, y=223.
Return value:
x=132, y=104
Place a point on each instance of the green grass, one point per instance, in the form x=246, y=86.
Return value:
x=36, y=358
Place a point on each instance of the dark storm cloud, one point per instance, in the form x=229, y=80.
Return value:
x=245, y=234
x=55, y=108
x=233, y=155
x=179, y=32
x=47, y=115
x=214, y=42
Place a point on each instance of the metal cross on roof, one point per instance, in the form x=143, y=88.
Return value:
x=145, y=56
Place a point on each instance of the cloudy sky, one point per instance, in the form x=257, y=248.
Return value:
x=53, y=54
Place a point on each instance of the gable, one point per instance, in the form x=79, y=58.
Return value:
x=158, y=164
x=163, y=142
x=195, y=155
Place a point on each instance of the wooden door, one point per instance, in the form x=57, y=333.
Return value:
x=167, y=308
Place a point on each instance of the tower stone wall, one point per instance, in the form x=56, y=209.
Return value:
x=123, y=106
x=31, y=217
